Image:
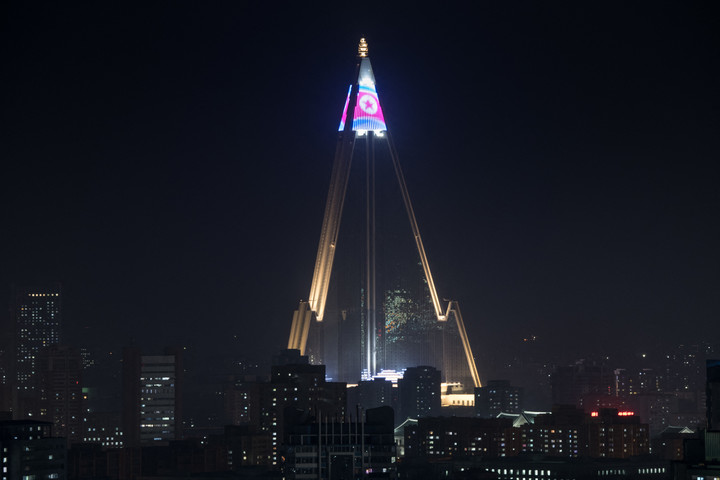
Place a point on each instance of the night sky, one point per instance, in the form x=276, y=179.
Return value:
x=168, y=162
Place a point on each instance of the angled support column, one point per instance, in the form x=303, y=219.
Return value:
x=302, y=318
x=454, y=307
x=315, y=306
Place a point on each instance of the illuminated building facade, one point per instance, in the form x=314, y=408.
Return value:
x=383, y=311
x=566, y=432
x=616, y=434
x=152, y=397
x=553, y=468
x=443, y=437
x=38, y=321
x=158, y=398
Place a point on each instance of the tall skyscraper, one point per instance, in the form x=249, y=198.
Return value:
x=38, y=320
x=295, y=385
x=60, y=390
x=419, y=393
x=152, y=397
x=383, y=307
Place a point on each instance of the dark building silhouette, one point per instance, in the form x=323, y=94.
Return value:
x=259, y=406
x=246, y=447
x=671, y=443
x=29, y=451
x=242, y=402
x=59, y=386
x=335, y=448
x=289, y=356
x=712, y=395
x=372, y=394
x=103, y=428
x=683, y=369
x=7, y=382
x=571, y=384
x=419, y=393
x=230, y=454
x=497, y=396
x=635, y=381
x=301, y=387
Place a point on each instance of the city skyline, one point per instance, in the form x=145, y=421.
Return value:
x=562, y=162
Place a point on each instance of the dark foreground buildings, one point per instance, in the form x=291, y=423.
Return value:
x=29, y=451
x=336, y=448
x=567, y=432
x=712, y=394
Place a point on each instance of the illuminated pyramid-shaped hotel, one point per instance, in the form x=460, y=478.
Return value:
x=381, y=312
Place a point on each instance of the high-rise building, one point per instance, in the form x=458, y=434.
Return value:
x=38, y=321
x=60, y=390
x=419, y=393
x=634, y=382
x=298, y=386
x=152, y=397
x=159, y=402
x=572, y=384
x=242, y=403
x=383, y=309
x=260, y=406
x=616, y=434
x=497, y=396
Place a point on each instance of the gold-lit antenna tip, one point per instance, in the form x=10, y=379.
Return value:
x=362, y=48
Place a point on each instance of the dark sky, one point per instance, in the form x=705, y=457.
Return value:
x=169, y=162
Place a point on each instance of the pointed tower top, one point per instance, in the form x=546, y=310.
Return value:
x=368, y=115
x=363, y=48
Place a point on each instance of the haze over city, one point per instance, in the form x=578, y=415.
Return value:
x=176, y=193
x=169, y=163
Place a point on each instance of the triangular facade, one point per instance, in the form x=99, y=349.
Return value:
x=368, y=115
